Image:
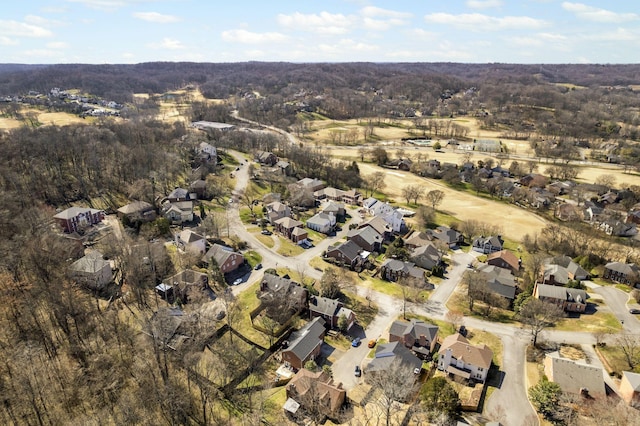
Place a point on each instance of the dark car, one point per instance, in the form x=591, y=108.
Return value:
x=258, y=266
x=266, y=232
x=355, y=342
x=634, y=311
x=358, y=371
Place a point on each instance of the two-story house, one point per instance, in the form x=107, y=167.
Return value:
x=416, y=335
x=330, y=310
x=625, y=273
x=226, y=259
x=304, y=345
x=75, y=219
x=488, y=245
x=569, y=299
x=459, y=358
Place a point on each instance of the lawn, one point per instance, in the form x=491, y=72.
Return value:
x=365, y=310
x=288, y=248
x=266, y=240
x=274, y=399
x=387, y=287
x=615, y=359
x=247, y=300
x=458, y=302
x=598, y=322
x=253, y=258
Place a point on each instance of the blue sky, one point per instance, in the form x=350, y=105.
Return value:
x=478, y=31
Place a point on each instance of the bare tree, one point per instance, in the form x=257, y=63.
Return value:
x=435, y=197
x=412, y=192
x=630, y=346
x=374, y=182
x=537, y=315
x=395, y=385
x=455, y=318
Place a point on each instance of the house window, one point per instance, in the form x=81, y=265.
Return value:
x=480, y=369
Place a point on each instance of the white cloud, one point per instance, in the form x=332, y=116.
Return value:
x=168, y=43
x=23, y=29
x=6, y=41
x=57, y=45
x=346, y=46
x=376, y=12
x=590, y=13
x=107, y=4
x=248, y=37
x=480, y=22
x=483, y=4
x=322, y=23
x=421, y=34
x=620, y=34
x=156, y=17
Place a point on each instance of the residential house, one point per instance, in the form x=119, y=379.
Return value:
x=277, y=210
x=416, y=335
x=427, y=256
x=396, y=222
x=389, y=355
x=381, y=209
x=226, y=259
x=337, y=209
x=199, y=188
x=499, y=280
x=393, y=270
x=630, y=388
x=505, y=259
x=284, y=166
x=560, y=270
x=633, y=217
x=625, y=273
x=178, y=212
x=330, y=310
x=191, y=242
x=209, y=149
x=349, y=253
x=212, y=125
x=488, y=245
x=304, y=345
x=299, y=235
x=92, y=271
x=329, y=193
x=379, y=225
x=322, y=222
x=77, y=219
x=286, y=227
x=568, y=212
x=266, y=158
x=274, y=289
x=450, y=237
x=352, y=197
x=534, y=180
x=417, y=239
x=569, y=299
x=178, y=194
x=459, y=358
x=592, y=212
x=366, y=238
x=316, y=392
x=618, y=228
x=185, y=283
x=576, y=377
x=312, y=185
x=400, y=164
x=137, y=211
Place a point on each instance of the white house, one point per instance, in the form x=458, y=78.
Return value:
x=191, y=242
x=91, y=271
x=178, y=212
x=459, y=358
x=322, y=222
x=208, y=149
x=396, y=221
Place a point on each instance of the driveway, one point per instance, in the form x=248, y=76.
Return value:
x=616, y=300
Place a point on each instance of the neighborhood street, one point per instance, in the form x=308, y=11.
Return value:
x=509, y=402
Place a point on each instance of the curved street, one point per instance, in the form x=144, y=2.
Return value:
x=509, y=402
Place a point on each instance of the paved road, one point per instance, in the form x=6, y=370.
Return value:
x=617, y=300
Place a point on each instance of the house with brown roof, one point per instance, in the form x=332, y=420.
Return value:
x=317, y=392
x=630, y=388
x=305, y=344
x=137, y=211
x=417, y=239
x=569, y=299
x=459, y=358
x=286, y=227
x=352, y=196
x=576, y=377
x=77, y=219
x=505, y=259
x=330, y=310
x=625, y=273
x=416, y=335
x=226, y=259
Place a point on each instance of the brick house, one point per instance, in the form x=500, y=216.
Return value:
x=305, y=344
x=76, y=219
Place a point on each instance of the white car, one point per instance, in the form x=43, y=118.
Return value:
x=238, y=281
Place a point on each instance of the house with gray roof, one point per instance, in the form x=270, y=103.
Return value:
x=179, y=194
x=274, y=288
x=311, y=184
x=450, y=237
x=576, y=377
x=335, y=208
x=499, y=280
x=569, y=299
x=322, y=222
x=277, y=210
x=137, y=210
x=625, y=273
x=305, y=344
x=570, y=270
x=393, y=270
x=416, y=335
x=426, y=256
x=379, y=225
x=488, y=245
x=389, y=354
x=226, y=259
x=92, y=271
x=418, y=239
x=330, y=310
x=367, y=238
x=286, y=227
x=630, y=388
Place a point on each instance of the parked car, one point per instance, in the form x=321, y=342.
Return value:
x=634, y=311
x=372, y=343
x=266, y=232
x=462, y=330
x=358, y=371
x=238, y=281
x=355, y=342
x=258, y=266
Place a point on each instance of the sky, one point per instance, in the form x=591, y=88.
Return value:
x=470, y=31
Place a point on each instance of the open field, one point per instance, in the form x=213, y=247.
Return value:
x=44, y=118
x=514, y=221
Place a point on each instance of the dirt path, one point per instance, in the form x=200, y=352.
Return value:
x=514, y=221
